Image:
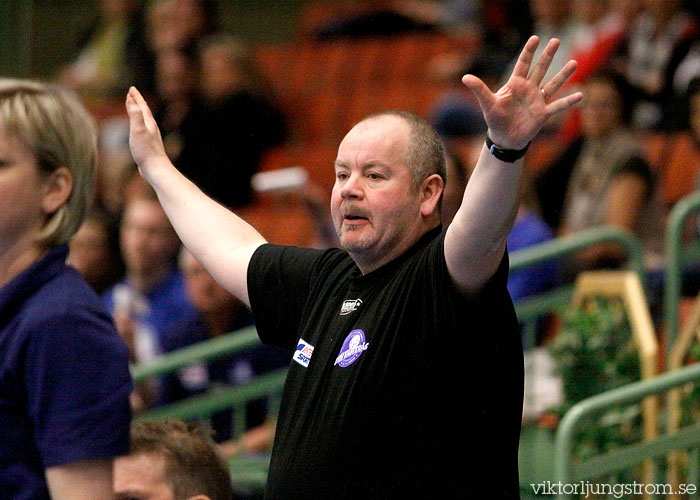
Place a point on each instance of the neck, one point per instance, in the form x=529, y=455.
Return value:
x=368, y=263
x=17, y=258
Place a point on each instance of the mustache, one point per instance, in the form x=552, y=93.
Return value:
x=349, y=210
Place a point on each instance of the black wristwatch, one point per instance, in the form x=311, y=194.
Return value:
x=506, y=155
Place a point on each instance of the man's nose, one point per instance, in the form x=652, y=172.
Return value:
x=352, y=187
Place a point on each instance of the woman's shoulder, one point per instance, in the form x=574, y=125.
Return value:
x=67, y=304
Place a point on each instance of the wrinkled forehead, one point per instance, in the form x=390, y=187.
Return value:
x=384, y=139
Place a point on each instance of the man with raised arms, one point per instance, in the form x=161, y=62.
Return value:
x=406, y=381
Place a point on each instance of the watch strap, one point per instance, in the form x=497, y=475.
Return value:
x=506, y=155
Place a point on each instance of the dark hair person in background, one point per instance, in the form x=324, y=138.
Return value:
x=64, y=396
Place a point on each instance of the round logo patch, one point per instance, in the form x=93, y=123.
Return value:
x=353, y=346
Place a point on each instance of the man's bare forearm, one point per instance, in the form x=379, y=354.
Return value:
x=482, y=223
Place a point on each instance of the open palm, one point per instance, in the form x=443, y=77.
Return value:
x=518, y=110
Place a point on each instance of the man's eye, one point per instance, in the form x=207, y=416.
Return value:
x=374, y=176
x=342, y=175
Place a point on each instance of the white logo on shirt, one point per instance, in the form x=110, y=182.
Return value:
x=350, y=306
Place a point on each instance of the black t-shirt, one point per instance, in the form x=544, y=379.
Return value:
x=399, y=386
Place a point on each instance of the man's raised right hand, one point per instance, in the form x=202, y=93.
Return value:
x=145, y=141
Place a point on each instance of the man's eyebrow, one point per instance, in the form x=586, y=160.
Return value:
x=369, y=164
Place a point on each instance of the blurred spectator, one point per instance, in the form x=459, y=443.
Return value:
x=191, y=140
x=217, y=313
x=602, y=26
x=116, y=166
x=94, y=251
x=152, y=294
x=180, y=24
x=688, y=71
x=658, y=41
x=553, y=19
x=694, y=106
x=602, y=178
x=396, y=17
x=216, y=135
x=113, y=53
x=502, y=27
x=198, y=19
x=241, y=123
x=457, y=114
x=228, y=68
x=446, y=14
x=179, y=111
x=456, y=183
x=487, y=39
x=680, y=157
x=530, y=229
x=171, y=460
x=163, y=29
x=591, y=17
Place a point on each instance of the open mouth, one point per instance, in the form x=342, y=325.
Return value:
x=354, y=219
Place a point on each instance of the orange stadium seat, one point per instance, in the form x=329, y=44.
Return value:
x=654, y=146
x=325, y=87
x=679, y=164
x=280, y=220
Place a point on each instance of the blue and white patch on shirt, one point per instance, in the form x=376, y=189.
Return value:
x=303, y=352
x=353, y=346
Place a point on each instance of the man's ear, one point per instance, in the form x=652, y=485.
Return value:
x=56, y=187
x=431, y=190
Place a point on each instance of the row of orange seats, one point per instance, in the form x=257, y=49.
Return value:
x=325, y=87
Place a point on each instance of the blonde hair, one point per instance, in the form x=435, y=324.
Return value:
x=60, y=132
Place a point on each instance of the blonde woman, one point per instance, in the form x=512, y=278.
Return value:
x=64, y=380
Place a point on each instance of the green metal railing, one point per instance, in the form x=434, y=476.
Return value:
x=567, y=471
x=532, y=308
x=220, y=397
x=676, y=258
x=202, y=351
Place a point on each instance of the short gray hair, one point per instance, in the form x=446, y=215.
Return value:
x=426, y=152
x=59, y=131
